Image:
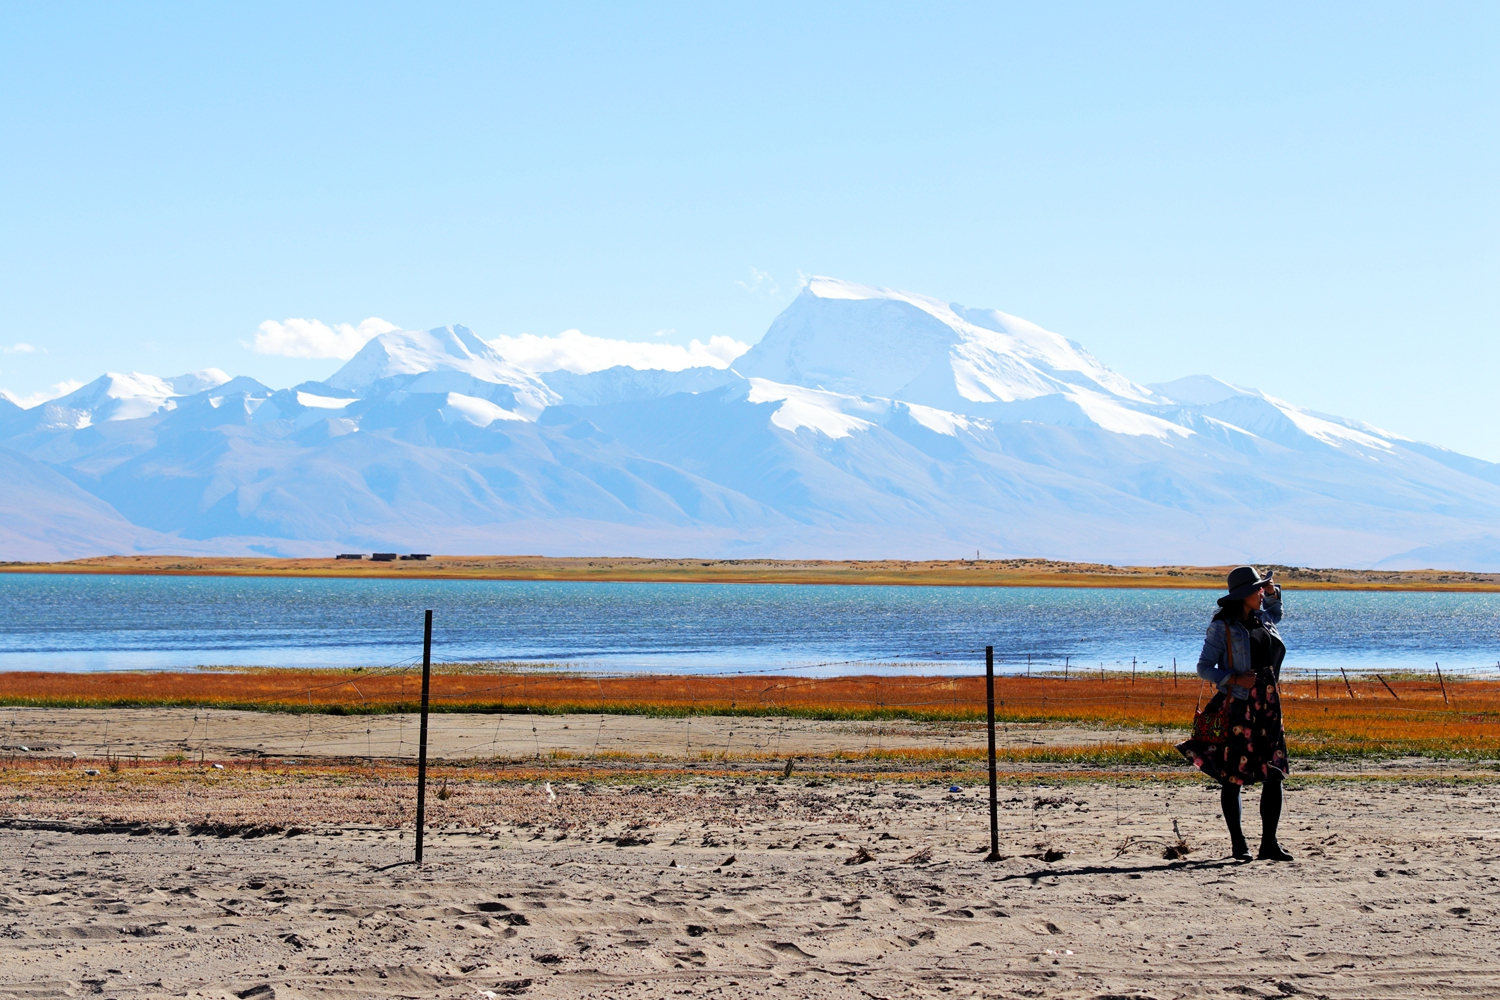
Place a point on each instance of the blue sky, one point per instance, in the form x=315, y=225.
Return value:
x=1300, y=198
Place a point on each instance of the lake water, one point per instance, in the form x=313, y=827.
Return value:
x=94, y=622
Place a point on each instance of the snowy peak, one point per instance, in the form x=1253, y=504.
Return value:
x=864, y=341
x=412, y=352
x=846, y=338
x=128, y=396
x=833, y=289
x=444, y=359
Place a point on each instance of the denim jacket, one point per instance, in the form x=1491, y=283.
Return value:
x=1213, y=665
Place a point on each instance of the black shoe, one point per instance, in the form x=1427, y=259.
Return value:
x=1241, y=850
x=1272, y=852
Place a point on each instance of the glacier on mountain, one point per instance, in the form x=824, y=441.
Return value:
x=866, y=423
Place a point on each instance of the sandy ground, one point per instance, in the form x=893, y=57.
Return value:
x=215, y=735
x=144, y=882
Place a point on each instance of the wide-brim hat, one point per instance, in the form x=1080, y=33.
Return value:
x=1243, y=581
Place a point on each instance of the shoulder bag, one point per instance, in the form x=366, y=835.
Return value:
x=1211, y=722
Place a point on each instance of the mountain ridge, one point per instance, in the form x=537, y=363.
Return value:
x=866, y=423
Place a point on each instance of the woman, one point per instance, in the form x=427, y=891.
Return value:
x=1242, y=658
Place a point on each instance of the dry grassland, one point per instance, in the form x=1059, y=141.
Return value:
x=941, y=572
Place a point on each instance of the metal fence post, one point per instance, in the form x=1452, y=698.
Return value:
x=422, y=744
x=989, y=694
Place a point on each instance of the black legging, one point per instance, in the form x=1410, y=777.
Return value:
x=1270, y=808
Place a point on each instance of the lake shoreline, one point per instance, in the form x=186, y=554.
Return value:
x=883, y=572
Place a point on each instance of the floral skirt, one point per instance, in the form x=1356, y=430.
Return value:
x=1256, y=743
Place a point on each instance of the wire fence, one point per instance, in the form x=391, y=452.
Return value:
x=515, y=714
x=513, y=750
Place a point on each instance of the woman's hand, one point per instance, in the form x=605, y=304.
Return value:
x=1243, y=680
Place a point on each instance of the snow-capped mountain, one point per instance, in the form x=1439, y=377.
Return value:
x=120, y=397
x=449, y=359
x=866, y=423
x=864, y=341
x=867, y=341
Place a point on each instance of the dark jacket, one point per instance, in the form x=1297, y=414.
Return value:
x=1213, y=665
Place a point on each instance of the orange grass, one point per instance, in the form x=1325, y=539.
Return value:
x=1416, y=718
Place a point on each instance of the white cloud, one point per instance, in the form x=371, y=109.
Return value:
x=575, y=352
x=310, y=338
x=37, y=398
x=18, y=349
